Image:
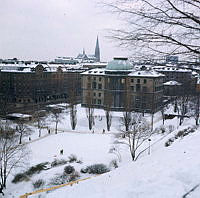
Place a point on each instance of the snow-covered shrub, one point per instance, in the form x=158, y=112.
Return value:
x=59, y=179
x=20, y=177
x=169, y=142
x=114, y=163
x=180, y=134
x=72, y=158
x=38, y=183
x=79, y=162
x=97, y=169
x=58, y=162
x=170, y=128
x=37, y=168
x=73, y=176
x=84, y=170
x=69, y=169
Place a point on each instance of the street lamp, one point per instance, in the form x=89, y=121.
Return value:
x=149, y=146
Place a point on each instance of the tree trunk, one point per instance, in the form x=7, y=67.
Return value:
x=20, y=138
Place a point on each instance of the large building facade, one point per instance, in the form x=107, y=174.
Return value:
x=178, y=81
x=119, y=86
x=22, y=88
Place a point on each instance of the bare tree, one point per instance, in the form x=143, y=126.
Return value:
x=193, y=108
x=107, y=108
x=12, y=154
x=182, y=104
x=90, y=109
x=197, y=110
x=73, y=104
x=39, y=116
x=22, y=129
x=56, y=117
x=139, y=132
x=127, y=106
x=158, y=27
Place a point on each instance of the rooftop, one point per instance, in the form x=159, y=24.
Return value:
x=119, y=64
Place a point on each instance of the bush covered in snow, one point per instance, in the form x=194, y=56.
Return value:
x=38, y=183
x=72, y=158
x=180, y=134
x=114, y=163
x=96, y=169
x=73, y=176
x=58, y=162
x=20, y=177
x=69, y=169
x=59, y=179
x=37, y=168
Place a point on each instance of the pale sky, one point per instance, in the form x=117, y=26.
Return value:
x=45, y=29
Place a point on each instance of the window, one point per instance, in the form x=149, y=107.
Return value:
x=132, y=80
x=144, y=89
x=145, y=81
x=89, y=85
x=94, y=85
x=99, y=86
x=138, y=87
x=94, y=94
x=99, y=78
x=138, y=81
x=99, y=101
x=132, y=88
x=94, y=78
x=99, y=94
x=94, y=101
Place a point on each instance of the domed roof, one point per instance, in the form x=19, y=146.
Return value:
x=119, y=64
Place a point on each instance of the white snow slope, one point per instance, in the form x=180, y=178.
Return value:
x=167, y=173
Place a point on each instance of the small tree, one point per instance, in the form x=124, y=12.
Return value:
x=139, y=133
x=107, y=109
x=56, y=117
x=22, y=129
x=12, y=154
x=90, y=110
x=127, y=114
x=73, y=104
x=39, y=117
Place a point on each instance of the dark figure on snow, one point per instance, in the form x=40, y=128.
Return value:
x=61, y=152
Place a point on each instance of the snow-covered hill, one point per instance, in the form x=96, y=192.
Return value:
x=169, y=172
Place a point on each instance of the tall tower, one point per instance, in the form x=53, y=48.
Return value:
x=97, y=50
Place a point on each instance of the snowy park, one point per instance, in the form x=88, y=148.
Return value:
x=82, y=148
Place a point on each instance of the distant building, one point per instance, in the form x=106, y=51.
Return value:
x=23, y=88
x=66, y=60
x=144, y=87
x=185, y=77
x=172, y=59
x=90, y=58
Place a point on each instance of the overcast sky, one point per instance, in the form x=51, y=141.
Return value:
x=45, y=29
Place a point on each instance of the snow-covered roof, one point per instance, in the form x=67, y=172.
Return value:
x=166, y=69
x=146, y=73
x=47, y=67
x=96, y=71
x=119, y=64
x=19, y=115
x=172, y=83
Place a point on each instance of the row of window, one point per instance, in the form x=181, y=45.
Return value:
x=97, y=94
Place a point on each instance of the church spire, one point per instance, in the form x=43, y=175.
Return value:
x=97, y=50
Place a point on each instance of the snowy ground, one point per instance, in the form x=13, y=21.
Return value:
x=167, y=172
